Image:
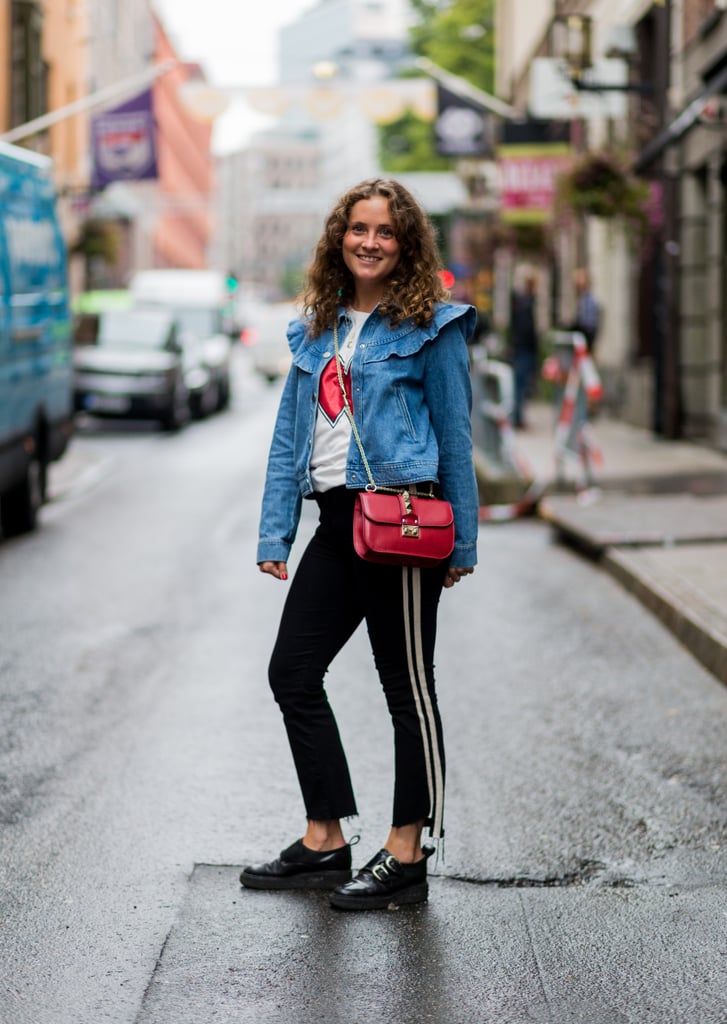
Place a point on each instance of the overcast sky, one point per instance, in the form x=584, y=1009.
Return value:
x=236, y=43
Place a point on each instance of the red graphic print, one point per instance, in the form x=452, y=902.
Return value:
x=330, y=399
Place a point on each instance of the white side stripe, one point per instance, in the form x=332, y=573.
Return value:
x=411, y=578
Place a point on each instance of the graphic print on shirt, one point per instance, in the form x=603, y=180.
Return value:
x=330, y=399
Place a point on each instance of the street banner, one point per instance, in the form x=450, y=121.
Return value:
x=462, y=127
x=123, y=142
x=528, y=177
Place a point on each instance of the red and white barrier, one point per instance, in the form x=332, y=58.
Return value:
x=581, y=375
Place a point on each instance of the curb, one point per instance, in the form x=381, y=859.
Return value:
x=686, y=619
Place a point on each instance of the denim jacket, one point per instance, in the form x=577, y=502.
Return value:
x=411, y=403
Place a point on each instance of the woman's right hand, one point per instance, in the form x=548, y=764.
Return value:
x=277, y=569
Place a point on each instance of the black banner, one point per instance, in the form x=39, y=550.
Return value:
x=463, y=127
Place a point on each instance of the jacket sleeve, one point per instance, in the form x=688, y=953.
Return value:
x=448, y=393
x=281, y=502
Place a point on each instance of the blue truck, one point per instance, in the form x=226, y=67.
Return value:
x=36, y=368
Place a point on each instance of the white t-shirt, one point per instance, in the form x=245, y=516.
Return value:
x=332, y=434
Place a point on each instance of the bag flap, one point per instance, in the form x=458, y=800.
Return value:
x=387, y=509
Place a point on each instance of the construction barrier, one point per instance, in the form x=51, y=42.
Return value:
x=495, y=438
x=578, y=385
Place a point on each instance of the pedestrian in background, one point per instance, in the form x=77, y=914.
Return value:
x=404, y=358
x=588, y=313
x=524, y=346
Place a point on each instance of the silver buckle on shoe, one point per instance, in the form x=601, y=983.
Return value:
x=387, y=867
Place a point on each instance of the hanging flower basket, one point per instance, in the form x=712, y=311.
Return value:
x=599, y=184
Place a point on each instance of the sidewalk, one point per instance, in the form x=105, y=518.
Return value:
x=656, y=519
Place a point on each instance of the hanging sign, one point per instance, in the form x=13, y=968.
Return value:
x=123, y=142
x=462, y=127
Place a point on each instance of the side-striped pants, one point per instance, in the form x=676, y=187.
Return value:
x=331, y=593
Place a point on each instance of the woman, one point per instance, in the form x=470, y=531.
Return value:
x=405, y=368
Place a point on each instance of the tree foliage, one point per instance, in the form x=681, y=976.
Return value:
x=406, y=145
x=97, y=238
x=459, y=37
x=98, y=242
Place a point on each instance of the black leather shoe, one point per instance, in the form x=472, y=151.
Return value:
x=300, y=868
x=384, y=882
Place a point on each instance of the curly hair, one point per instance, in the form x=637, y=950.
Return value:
x=413, y=287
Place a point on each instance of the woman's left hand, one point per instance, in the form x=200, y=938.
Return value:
x=454, y=575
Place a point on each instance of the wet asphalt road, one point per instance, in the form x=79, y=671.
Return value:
x=142, y=761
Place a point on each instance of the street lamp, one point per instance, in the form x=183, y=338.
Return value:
x=572, y=42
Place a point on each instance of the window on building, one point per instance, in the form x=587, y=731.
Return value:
x=29, y=73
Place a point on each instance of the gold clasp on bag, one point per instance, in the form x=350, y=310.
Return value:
x=409, y=521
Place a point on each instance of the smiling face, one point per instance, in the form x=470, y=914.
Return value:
x=370, y=250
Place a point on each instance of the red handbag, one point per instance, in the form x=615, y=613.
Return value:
x=402, y=529
x=395, y=527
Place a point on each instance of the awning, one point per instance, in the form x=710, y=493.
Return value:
x=682, y=124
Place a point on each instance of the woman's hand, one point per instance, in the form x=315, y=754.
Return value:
x=454, y=575
x=277, y=569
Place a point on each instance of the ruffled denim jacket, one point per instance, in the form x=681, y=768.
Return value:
x=411, y=402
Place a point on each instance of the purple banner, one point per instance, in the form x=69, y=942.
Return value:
x=123, y=142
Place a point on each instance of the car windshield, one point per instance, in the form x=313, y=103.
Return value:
x=134, y=329
x=202, y=322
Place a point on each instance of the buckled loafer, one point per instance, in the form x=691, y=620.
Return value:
x=384, y=882
x=297, y=867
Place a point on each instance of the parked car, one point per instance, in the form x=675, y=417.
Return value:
x=135, y=368
x=202, y=387
x=266, y=332
x=36, y=376
x=199, y=301
x=202, y=392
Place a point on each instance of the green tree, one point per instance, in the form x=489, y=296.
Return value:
x=98, y=243
x=406, y=145
x=459, y=37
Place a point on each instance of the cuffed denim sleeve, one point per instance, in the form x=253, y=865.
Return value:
x=281, y=502
x=448, y=393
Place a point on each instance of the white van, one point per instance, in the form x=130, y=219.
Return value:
x=266, y=333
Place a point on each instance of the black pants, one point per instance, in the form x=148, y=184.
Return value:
x=332, y=591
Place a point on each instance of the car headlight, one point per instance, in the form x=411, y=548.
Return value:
x=196, y=379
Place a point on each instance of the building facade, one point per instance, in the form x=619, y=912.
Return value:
x=183, y=200
x=43, y=67
x=662, y=352
x=56, y=52
x=272, y=197
x=697, y=161
x=165, y=222
x=278, y=190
